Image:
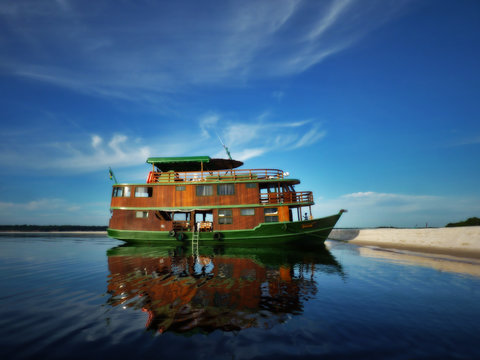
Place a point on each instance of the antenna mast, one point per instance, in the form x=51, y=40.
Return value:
x=226, y=148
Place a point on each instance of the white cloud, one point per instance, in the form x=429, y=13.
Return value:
x=79, y=153
x=120, y=151
x=249, y=153
x=145, y=53
x=263, y=134
x=247, y=139
x=311, y=137
x=208, y=123
x=360, y=194
x=238, y=134
x=96, y=141
x=329, y=18
x=67, y=151
x=117, y=141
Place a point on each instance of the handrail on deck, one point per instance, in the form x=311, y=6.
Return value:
x=286, y=197
x=217, y=175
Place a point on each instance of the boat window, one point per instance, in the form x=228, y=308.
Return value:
x=180, y=187
x=204, y=190
x=143, y=191
x=181, y=216
x=271, y=211
x=251, y=185
x=225, y=189
x=247, y=212
x=141, y=214
x=271, y=215
x=225, y=216
x=121, y=191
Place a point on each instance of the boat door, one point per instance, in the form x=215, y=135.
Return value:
x=204, y=220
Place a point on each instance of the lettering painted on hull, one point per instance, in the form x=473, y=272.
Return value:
x=311, y=225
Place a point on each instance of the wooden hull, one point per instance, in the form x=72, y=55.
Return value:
x=315, y=230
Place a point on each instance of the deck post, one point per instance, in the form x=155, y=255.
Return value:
x=192, y=220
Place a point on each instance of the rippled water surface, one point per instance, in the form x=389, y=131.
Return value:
x=89, y=297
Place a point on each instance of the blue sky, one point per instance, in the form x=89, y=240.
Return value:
x=374, y=105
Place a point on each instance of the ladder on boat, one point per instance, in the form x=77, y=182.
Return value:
x=195, y=238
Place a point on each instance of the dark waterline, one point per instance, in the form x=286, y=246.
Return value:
x=91, y=297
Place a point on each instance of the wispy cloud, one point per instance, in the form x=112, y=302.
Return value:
x=262, y=134
x=311, y=137
x=77, y=153
x=208, y=122
x=81, y=154
x=467, y=140
x=120, y=151
x=371, y=209
x=143, y=50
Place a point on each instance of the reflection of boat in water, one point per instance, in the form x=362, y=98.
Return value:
x=208, y=199
x=185, y=289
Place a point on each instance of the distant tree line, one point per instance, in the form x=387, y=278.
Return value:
x=473, y=221
x=52, y=228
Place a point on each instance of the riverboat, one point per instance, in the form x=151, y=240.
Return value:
x=205, y=199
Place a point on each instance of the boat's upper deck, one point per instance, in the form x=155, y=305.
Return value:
x=218, y=175
x=204, y=168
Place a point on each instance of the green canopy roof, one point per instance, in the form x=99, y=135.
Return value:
x=166, y=160
x=192, y=163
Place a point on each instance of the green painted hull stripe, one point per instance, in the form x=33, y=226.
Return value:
x=272, y=231
x=165, y=237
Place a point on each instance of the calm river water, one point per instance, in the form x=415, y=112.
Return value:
x=90, y=297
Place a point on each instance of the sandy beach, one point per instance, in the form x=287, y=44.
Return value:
x=456, y=241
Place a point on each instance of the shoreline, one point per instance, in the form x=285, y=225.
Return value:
x=455, y=241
